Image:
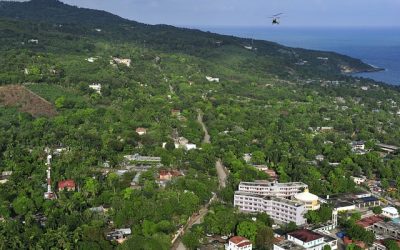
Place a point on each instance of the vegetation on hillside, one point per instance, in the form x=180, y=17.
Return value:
x=265, y=103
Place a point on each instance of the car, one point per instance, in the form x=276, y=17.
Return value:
x=224, y=237
x=209, y=235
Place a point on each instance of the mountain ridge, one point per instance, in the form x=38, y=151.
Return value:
x=170, y=38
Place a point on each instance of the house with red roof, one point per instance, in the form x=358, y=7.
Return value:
x=167, y=175
x=68, y=185
x=306, y=239
x=347, y=241
x=368, y=222
x=238, y=243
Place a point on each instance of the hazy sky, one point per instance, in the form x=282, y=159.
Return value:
x=253, y=12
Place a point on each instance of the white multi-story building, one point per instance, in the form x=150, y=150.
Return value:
x=306, y=239
x=275, y=189
x=279, y=209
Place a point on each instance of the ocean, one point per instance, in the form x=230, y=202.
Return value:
x=379, y=47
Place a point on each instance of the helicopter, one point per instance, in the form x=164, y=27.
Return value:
x=275, y=18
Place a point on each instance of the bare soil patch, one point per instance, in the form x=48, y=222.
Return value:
x=26, y=101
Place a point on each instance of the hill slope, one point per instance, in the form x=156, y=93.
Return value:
x=84, y=22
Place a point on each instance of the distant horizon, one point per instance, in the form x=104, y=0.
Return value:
x=222, y=13
x=225, y=13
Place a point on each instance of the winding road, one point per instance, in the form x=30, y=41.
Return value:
x=222, y=175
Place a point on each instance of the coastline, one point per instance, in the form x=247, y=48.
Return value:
x=366, y=44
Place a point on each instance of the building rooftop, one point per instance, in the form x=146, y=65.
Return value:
x=391, y=210
x=367, y=199
x=369, y=221
x=240, y=241
x=350, y=199
x=66, y=184
x=306, y=196
x=289, y=245
x=305, y=235
x=390, y=225
x=267, y=197
x=272, y=184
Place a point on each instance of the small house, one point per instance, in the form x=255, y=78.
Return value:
x=212, y=79
x=390, y=212
x=126, y=62
x=319, y=157
x=238, y=243
x=68, y=185
x=141, y=131
x=119, y=235
x=167, y=175
x=5, y=175
x=96, y=87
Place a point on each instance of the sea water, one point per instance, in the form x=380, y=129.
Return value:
x=379, y=47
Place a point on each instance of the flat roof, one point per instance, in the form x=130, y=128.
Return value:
x=369, y=221
x=391, y=210
x=367, y=199
x=349, y=199
x=389, y=225
x=305, y=235
x=267, y=197
x=288, y=245
x=272, y=184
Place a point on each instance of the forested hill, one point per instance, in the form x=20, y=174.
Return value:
x=271, y=57
x=122, y=105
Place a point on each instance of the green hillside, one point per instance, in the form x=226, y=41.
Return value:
x=267, y=101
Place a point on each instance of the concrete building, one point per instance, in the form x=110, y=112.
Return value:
x=5, y=175
x=359, y=180
x=238, y=243
x=353, y=201
x=306, y=239
x=390, y=212
x=386, y=229
x=310, y=201
x=279, y=209
x=387, y=148
x=126, y=62
x=119, y=235
x=96, y=87
x=139, y=158
x=285, y=190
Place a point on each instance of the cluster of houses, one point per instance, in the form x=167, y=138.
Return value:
x=288, y=202
x=273, y=176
